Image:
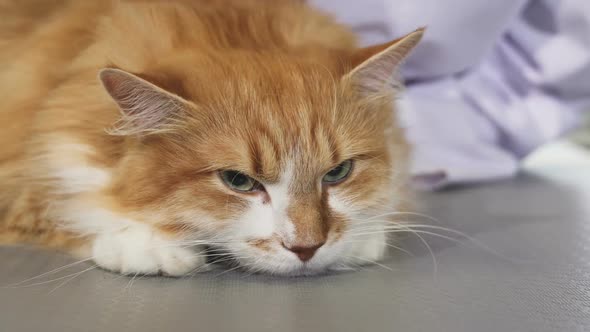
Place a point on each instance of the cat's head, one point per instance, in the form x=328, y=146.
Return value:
x=289, y=164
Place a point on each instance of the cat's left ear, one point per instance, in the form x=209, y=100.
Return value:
x=145, y=107
x=374, y=67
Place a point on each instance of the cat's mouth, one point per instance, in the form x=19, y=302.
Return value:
x=225, y=260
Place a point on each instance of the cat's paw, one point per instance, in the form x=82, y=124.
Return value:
x=371, y=250
x=143, y=252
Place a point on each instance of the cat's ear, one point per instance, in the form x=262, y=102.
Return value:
x=374, y=67
x=145, y=107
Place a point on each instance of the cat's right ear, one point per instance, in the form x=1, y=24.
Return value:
x=374, y=67
x=146, y=108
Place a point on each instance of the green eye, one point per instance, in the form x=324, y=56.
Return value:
x=238, y=181
x=338, y=173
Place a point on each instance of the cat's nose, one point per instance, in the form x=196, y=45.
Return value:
x=304, y=253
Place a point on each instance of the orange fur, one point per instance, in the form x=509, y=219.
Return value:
x=263, y=84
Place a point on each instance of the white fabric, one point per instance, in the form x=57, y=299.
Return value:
x=491, y=81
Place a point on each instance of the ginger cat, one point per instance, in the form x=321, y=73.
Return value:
x=139, y=133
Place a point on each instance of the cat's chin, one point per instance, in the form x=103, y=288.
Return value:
x=276, y=266
x=276, y=269
x=295, y=271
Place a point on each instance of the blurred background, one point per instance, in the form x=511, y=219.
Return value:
x=492, y=84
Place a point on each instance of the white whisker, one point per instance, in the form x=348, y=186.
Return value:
x=371, y=262
x=50, y=272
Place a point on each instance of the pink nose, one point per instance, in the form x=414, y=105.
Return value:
x=304, y=253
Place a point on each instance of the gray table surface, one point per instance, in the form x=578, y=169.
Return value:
x=529, y=270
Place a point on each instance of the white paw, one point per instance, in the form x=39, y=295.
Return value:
x=141, y=251
x=371, y=249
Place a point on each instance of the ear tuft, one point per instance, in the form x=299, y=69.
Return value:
x=145, y=108
x=375, y=66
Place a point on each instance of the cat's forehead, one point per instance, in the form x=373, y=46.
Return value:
x=269, y=119
x=272, y=148
x=256, y=77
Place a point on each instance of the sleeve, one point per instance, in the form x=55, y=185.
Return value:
x=491, y=82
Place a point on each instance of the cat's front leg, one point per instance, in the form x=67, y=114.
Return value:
x=140, y=250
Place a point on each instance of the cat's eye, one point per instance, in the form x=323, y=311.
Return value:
x=338, y=173
x=239, y=181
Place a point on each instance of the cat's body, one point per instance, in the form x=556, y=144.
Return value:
x=126, y=168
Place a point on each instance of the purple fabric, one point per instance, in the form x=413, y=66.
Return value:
x=491, y=81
